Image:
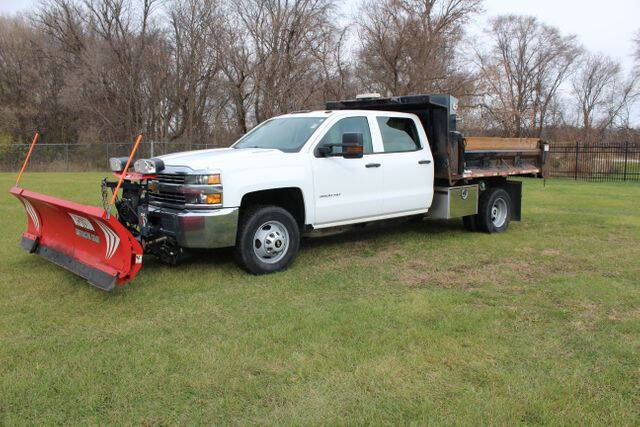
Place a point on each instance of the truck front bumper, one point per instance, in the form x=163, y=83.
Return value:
x=214, y=228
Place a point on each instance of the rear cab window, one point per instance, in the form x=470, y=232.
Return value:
x=399, y=134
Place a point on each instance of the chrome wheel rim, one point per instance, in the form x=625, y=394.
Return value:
x=271, y=242
x=499, y=212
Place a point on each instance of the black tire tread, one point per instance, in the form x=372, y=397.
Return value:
x=245, y=257
x=487, y=198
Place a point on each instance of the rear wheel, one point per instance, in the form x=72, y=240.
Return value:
x=268, y=240
x=494, y=212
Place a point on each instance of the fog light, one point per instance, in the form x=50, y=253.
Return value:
x=214, y=199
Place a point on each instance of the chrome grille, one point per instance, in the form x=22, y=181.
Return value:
x=170, y=198
x=171, y=178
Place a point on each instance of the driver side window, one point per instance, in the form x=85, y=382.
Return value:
x=349, y=125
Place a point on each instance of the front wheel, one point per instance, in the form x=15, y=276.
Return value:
x=494, y=212
x=268, y=240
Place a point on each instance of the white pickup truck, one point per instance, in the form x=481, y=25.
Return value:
x=358, y=161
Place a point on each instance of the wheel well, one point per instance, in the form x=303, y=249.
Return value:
x=290, y=199
x=514, y=189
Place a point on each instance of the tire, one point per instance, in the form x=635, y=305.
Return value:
x=268, y=240
x=494, y=212
x=470, y=222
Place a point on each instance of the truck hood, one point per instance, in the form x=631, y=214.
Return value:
x=221, y=158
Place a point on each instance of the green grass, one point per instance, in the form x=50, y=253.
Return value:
x=414, y=323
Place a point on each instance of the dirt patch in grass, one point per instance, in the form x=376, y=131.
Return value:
x=473, y=274
x=462, y=276
x=551, y=252
x=618, y=316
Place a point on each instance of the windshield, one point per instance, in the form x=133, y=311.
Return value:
x=287, y=134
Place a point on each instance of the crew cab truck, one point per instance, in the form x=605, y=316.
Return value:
x=355, y=162
x=358, y=161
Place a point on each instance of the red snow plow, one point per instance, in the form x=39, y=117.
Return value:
x=86, y=240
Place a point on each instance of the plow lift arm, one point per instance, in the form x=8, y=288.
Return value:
x=85, y=240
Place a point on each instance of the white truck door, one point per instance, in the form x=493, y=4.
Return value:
x=408, y=164
x=347, y=189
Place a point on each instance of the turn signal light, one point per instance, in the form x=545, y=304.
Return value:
x=355, y=149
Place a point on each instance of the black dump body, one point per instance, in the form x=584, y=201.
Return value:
x=456, y=161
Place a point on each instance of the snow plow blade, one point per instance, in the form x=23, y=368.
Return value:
x=80, y=238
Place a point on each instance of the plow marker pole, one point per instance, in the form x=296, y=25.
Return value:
x=122, y=175
x=26, y=160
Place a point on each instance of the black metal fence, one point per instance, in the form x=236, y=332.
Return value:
x=618, y=161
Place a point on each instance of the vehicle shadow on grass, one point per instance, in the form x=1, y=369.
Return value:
x=197, y=257
x=224, y=258
x=396, y=229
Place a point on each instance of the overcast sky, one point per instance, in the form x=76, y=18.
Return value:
x=603, y=26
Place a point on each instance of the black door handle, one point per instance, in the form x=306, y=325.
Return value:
x=424, y=162
x=373, y=165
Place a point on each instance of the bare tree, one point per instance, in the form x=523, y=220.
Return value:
x=31, y=83
x=238, y=66
x=337, y=71
x=521, y=71
x=601, y=92
x=410, y=45
x=636, y=53
x=285, y=37
x=196, y=32
x=204, y=67
x=17, y=79
x=107, y=46
x=208, y=70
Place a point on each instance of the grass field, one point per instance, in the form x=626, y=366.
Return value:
x=414, y=323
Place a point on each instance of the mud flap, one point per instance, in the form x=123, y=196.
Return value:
x=81, y=239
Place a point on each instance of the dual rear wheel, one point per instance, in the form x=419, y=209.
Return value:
x=494, y=212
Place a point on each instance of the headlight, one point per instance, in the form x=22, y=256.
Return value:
x=203, y=189
x=117, y=164
x=148, y=166
x=213, y=179
x=203, y=198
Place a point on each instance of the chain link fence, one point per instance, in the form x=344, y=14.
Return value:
x=85, y=157
x=605, y=162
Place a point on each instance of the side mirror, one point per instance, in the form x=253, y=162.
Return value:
x=352, y=146
x=325, y=149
